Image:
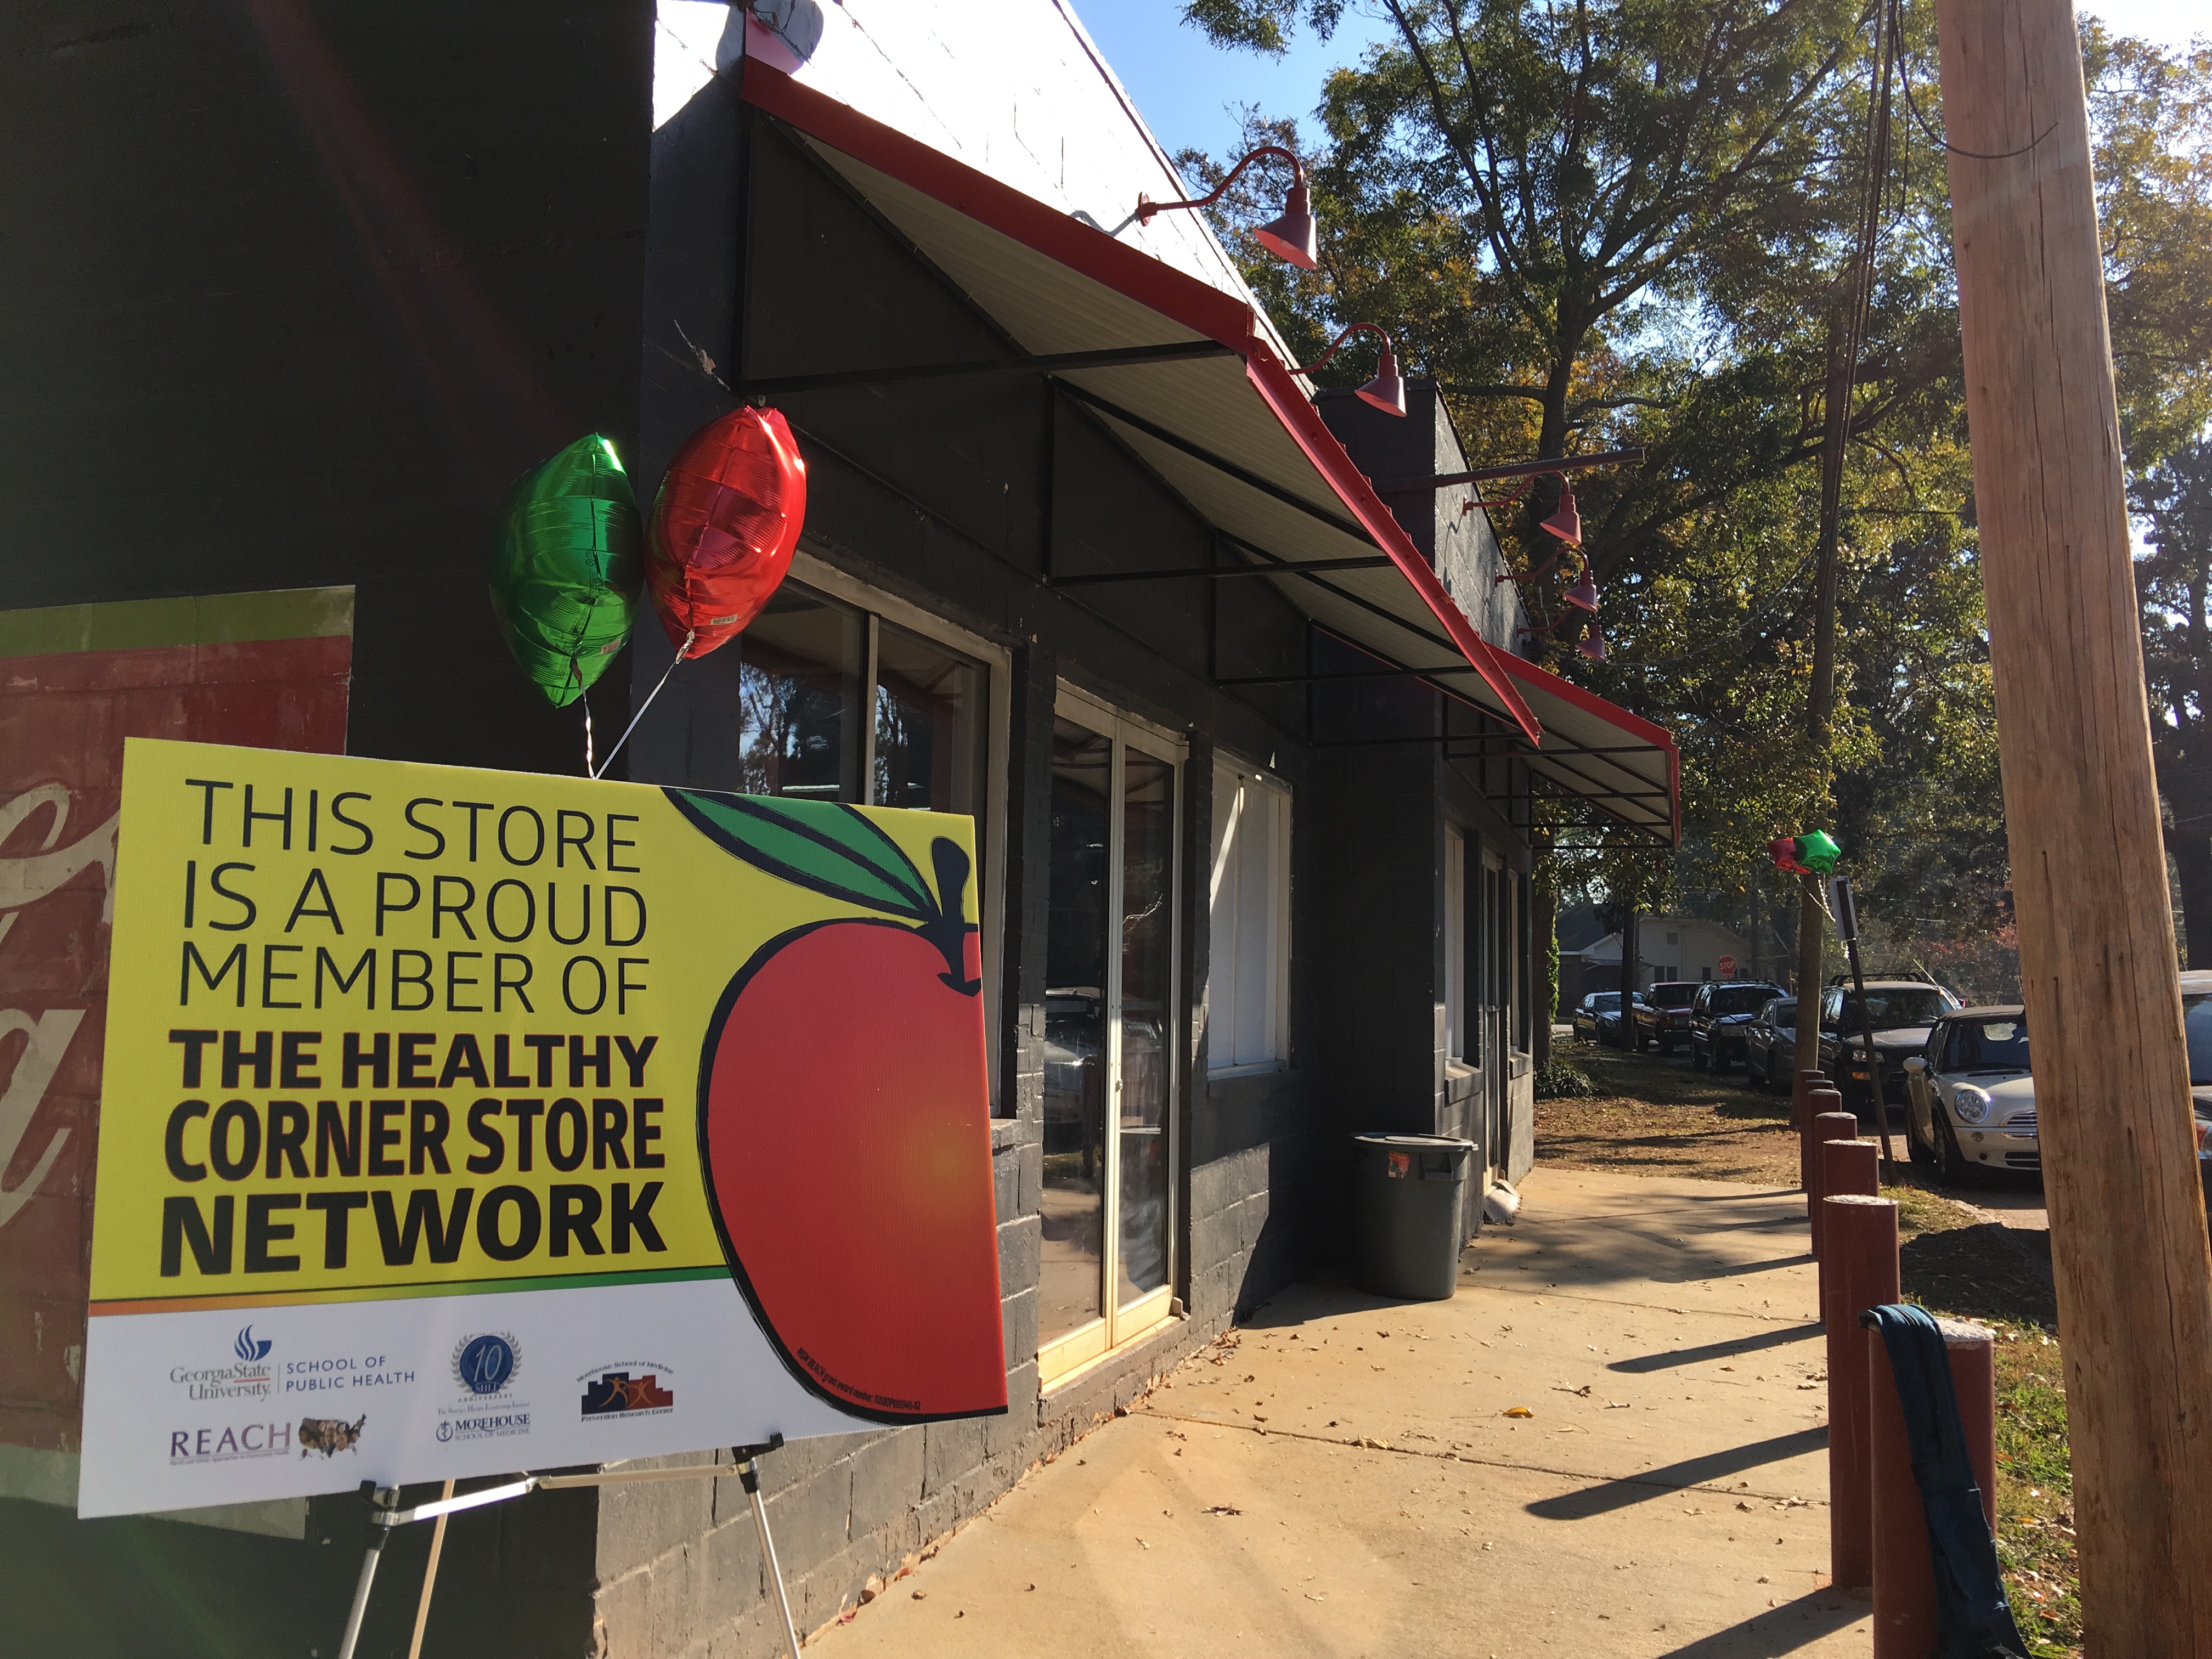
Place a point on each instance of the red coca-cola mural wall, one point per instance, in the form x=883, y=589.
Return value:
x=268, y=670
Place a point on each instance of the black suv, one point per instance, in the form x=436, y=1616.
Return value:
x=1718, y=1018
x=1663, y=1017
x=1902, y=1012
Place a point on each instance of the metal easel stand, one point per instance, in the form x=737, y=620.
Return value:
x=386, y=1514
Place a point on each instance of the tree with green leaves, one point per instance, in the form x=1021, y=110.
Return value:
x=2174, y=580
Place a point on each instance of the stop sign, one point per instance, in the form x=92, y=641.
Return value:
x=1728, y=966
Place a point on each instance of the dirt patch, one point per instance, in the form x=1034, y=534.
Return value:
x=1659, y=1118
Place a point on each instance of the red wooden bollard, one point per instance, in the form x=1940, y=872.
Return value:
x=1862, y=1273
x=1820, y=1097
x=1807, y=1082
x=1847, y=1165
x=1904, y=1575
x=1827, y=1127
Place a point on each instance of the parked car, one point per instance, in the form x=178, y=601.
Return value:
x=1597, y=1016
x=1662, y=1019
x=1970, y=1097
x=1901, y=1011
x=1973, y=1092
x=1769, y=1044
x=2196, y=1025
x=1718, y=1015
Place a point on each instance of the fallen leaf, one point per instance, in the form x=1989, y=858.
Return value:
x=1518, y=1410
x=1219, y=1508
x=921, y=1596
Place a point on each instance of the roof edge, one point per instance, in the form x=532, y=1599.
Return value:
x=1174, y=294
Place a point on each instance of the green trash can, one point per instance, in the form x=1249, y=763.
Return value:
x=1410, y=1190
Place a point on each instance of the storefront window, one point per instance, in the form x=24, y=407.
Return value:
x=800, y=699
x=930, y=730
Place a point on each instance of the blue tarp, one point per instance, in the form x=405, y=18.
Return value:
x=1972, y=1618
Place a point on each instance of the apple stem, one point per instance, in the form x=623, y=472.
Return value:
x=946, y=930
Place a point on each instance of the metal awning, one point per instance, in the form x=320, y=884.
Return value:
x=1187, y=377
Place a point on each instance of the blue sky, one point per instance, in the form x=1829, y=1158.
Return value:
x=1189, y=91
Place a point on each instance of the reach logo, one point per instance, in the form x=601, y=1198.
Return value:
x=630, y=1392
x=232, y=1442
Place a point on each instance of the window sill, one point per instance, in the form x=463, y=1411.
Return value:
x=1257, y=1068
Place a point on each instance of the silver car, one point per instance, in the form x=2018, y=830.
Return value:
x=1970, y=1100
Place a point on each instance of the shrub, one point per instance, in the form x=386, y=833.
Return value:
x=1562, y=1080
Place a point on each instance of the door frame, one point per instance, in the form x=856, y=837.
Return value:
x=1118, y=1327
x=1498, y=979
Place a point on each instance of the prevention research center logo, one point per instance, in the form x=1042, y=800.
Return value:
x=635, y=1391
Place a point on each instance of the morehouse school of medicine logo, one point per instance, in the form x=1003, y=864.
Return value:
x=628, y=1389
x=485, y=1366
x=246, y=1377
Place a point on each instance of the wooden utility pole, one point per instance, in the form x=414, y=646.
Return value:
x=1821, y=696
x=2089, y=880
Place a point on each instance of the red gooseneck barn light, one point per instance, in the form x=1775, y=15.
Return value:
x=1290, y=237
x=1567, y=523
x=1387, y=390
x=1583, y=595
x=1592, y=643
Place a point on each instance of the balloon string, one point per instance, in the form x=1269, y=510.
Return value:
x=689, y=634
x=575, y=673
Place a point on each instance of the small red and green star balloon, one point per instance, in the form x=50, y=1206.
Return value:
x=565, y=581
x=1805, y=855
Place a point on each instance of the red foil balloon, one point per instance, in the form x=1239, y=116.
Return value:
x=723, y=527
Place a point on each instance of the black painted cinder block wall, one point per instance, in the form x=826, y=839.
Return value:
x=295, y=290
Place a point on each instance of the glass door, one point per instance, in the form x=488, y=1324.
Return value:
x=1496, y=996
x=1110, y=1036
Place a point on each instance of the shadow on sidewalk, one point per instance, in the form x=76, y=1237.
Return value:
x=1778, y=1631
x=1609, y=1495
x=1730, y=1349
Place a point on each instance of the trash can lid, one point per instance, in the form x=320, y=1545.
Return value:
x=1417, y=1143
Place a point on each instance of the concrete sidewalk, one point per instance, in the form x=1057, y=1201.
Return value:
x=1339, y=1476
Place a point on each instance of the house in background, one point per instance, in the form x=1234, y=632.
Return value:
x=1667, y=948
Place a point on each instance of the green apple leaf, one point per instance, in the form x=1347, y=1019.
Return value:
x=821, y=845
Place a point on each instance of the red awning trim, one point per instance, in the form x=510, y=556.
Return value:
x=1174, y=294
x=1304, y=424
x=1614, y=715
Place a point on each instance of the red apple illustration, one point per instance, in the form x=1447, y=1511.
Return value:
x=844, y=1120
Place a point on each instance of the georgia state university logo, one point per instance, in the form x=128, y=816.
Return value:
x=487, y=1363
x=246, y=1377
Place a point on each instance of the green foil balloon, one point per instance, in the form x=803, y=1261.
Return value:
x=565, y=581
x=1818, y=853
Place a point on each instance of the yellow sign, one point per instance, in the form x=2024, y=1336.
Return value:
x=378, y=1026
